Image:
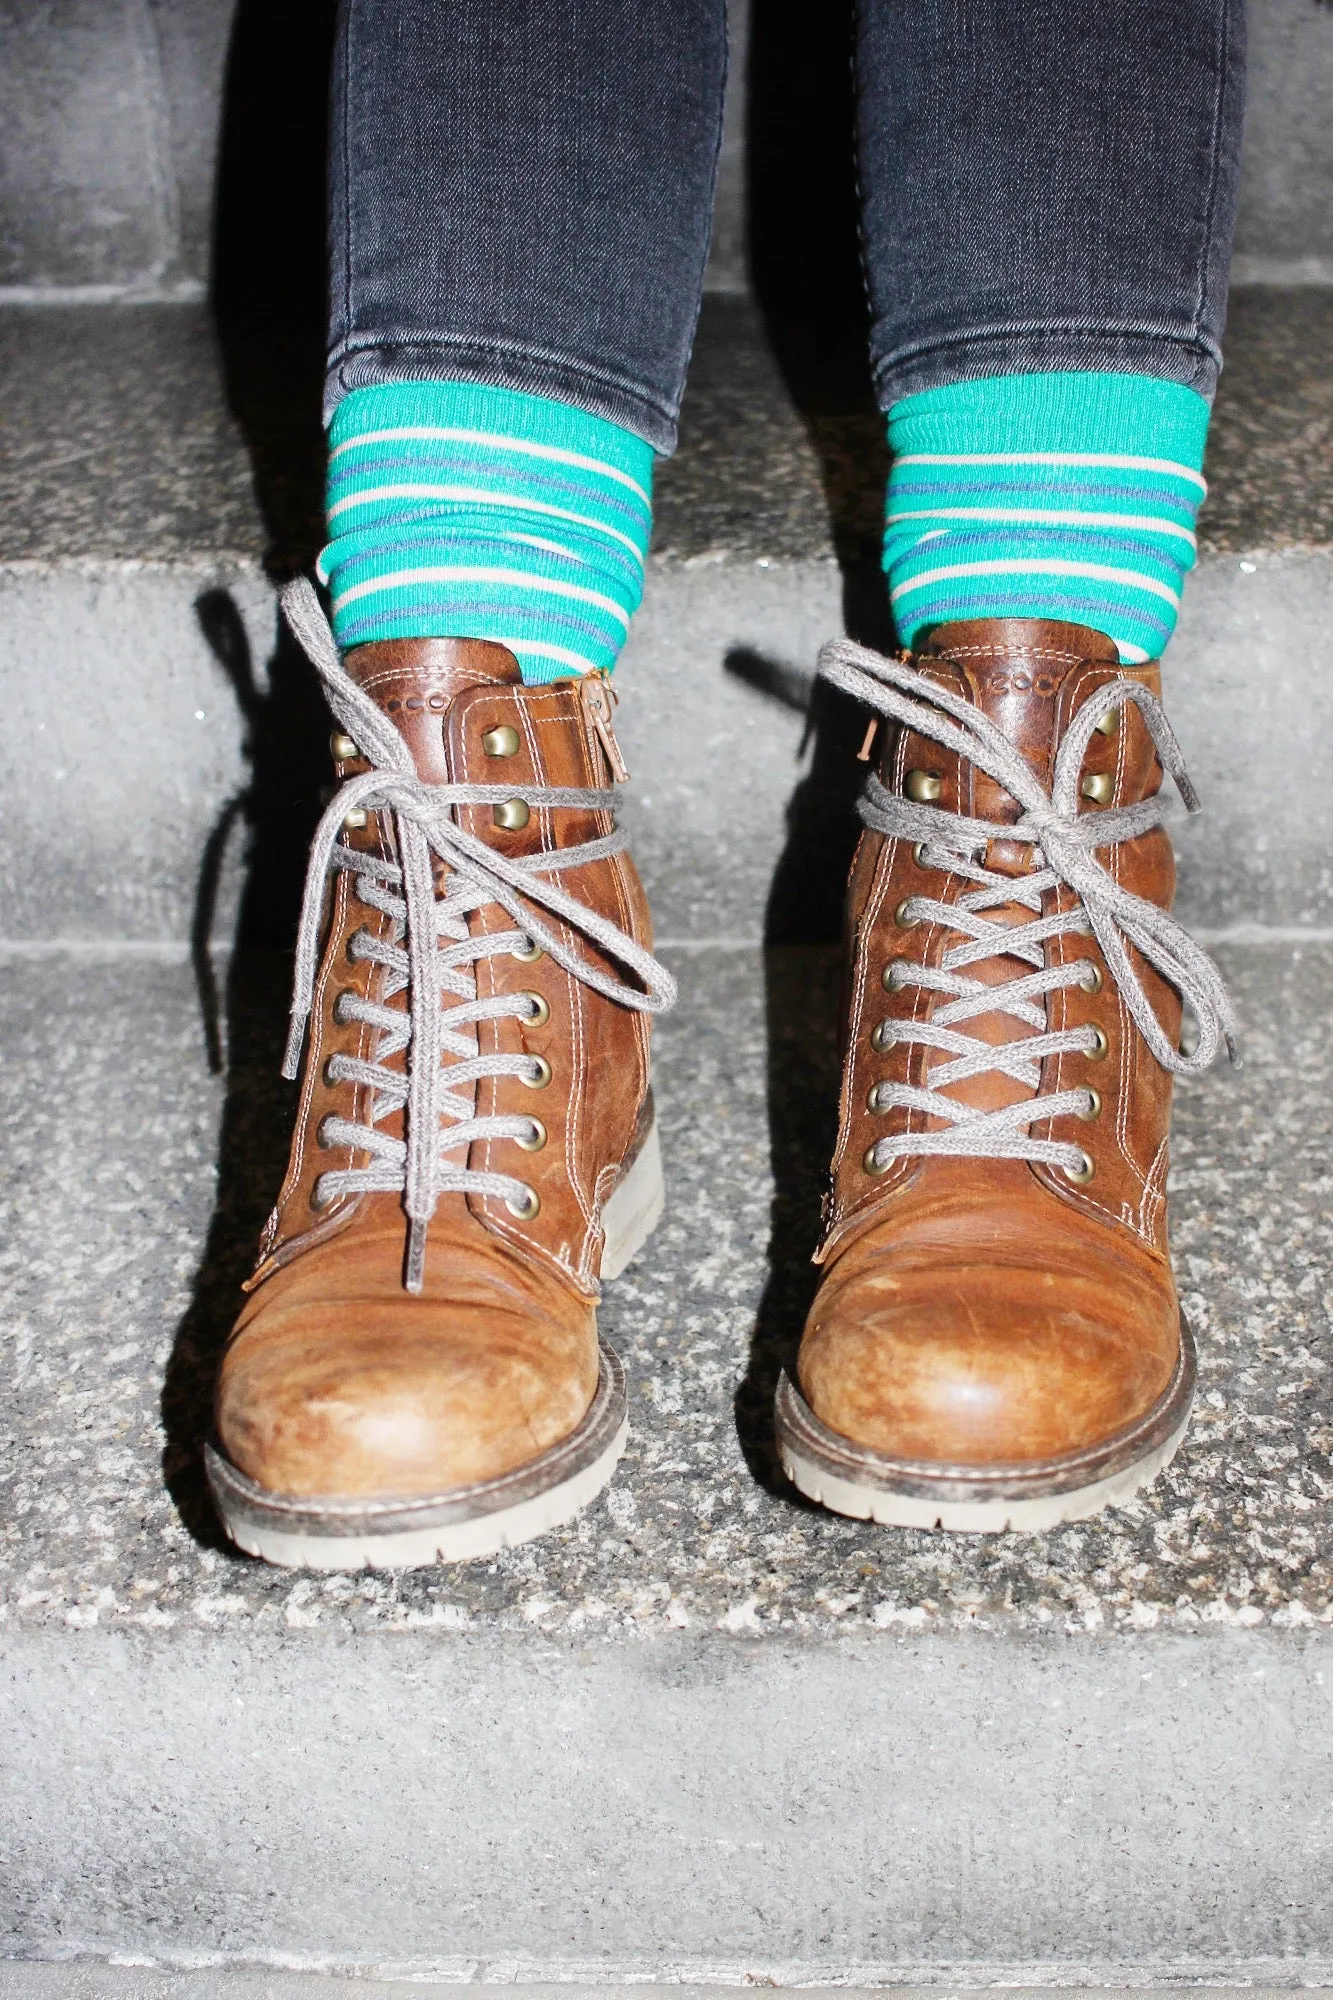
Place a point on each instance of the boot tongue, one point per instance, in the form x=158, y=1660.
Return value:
x=1014, y=670
x=415, y=682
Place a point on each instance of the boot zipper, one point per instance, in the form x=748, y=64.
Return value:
x=599, y=698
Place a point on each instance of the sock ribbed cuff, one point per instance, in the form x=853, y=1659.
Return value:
x=1068, y=496
x=456, y=510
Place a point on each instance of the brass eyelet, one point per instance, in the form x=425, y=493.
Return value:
x=884, y=1036
x=529, y=954
x=1090, y=977
x=1101, y=1048
x=322, y=1139
x=1109, y=723
x=319, y=1201
x=342, y=747
x=512, y=816
x=528, y=1207
x=541, y=1010
x=1099, y=787
x=539, y=1075
x=919, y=854
x=536, y=1138
x=355, y=819
x=331, y=1082
x=1083, y=1173
x=924, y=787
x=873, y=1100
x=1094, y=1107
x=341, y=1017
x=901, y=918
x=502, y=741
x=871, y=1162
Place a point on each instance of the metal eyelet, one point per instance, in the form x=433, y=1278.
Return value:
x=539, y=1075
x=884, y=1036
x=1082, y=1173
x=1101, y=1048
x=512, y=816
x=331, y=1082
x=923, y=786
x=919, y=854
x=356, y=819
x=886, y=978
x=526, y=1209
x=1094, y=1109
x=502, y=741
x=873, y=1100
x=536, y=1139
x=871, y=1162
x=530, y=953
x=342, y=1018
x=319, y=1201
x=322, y=1139
x=901, y=918
x=1090, y=977
x=541, y=1010
x=354, y=957
x=342, y=748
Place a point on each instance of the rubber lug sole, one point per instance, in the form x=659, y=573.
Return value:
x=851, y=1479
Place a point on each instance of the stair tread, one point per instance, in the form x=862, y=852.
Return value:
x=116, y=1281
x=129, y=436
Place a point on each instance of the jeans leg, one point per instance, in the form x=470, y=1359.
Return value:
x=521, y=195
x=1048, y=185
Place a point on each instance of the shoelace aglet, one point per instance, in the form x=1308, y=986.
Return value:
x=414, y=1263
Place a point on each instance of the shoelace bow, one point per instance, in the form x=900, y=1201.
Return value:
x=431, y=950
x=1064, y=839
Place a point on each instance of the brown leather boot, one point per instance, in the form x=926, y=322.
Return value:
x=996, y=1341
x=417, y=1374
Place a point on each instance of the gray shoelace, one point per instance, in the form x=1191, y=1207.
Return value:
x=1064, y=840
x=430, y=953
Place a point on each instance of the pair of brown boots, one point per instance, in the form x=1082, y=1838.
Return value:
x=996, y=1341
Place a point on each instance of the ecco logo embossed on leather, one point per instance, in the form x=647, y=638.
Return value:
x=1021, y=683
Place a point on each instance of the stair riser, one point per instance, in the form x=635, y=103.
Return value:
x=125, y=741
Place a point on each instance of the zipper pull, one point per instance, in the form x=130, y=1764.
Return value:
x=599, y=698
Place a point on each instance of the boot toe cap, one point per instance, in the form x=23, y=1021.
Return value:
x=318, y=1403
x=987, y=1364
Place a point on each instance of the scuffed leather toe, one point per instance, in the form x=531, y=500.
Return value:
x=982, y=1363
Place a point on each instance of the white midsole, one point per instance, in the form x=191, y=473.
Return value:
x=634, y=1209
x=459, y=1541
x=864, y=1502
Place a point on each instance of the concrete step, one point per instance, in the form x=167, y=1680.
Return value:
x=159, y=728
x=706, y=1732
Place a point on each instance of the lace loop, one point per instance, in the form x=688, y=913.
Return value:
x=431, y=948
x=1065, y=841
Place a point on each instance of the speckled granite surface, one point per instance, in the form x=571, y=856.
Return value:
x=127, y=433
x=119, y=1274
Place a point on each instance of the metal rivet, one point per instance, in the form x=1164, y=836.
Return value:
x=1083, y=1172
x=536, y=1138
x=884, y=1036
x=1098, y=786
x=529, y=953
x=527, y=1207
x=900, y=916
x=541, y=1012
x=355, y=819
x=342, y=747
x=501, y=741
x=923, y=786
x=1090, y=978
x=1100, y=1046
x=1094, y=1106
x=539, y=1075
x=872, y=1162
x=1109, y=723
x=513, y=815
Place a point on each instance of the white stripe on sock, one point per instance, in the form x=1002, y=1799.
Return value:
x=1036, y=566
x=1047, y=516
x=1115, y=460
x=472, y=573
x=493, y=442
x=515, y=502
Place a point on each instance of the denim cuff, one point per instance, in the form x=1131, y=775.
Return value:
x=1193, y=362
x=530, y=372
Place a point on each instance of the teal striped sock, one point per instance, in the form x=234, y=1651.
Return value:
x=1068, y=496
x=460, y=511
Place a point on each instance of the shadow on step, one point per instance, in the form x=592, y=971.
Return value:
x=286, y=727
